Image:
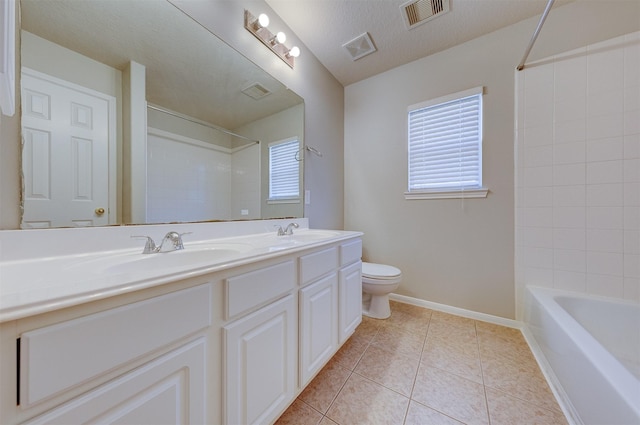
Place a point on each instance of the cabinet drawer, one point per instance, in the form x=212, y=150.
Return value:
x=350, y=252
x=58, y=357
x=316, y=264
x=253, y=289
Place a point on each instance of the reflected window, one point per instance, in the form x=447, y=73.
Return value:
x=284, y=170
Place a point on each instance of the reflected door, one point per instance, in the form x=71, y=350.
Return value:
x=65, y=160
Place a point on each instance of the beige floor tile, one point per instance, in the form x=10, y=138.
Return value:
x=507, y=410
x=423, y=415
x=418, y=325
x=324, y=388
x=367, y=329
x=398, y=341
x=451, y=394
x=327, y=421
x=520, y=380
x=451, y=332
x=362, y=401
x=461, y=322
x=393, y=370
x=299, y=413
x=460, y=359
x=412, y=310
x=508, y=344
x=350, y=353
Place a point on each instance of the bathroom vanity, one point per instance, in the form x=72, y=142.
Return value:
x=227, y=331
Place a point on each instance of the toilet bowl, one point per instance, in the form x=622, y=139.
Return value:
x=378, y=281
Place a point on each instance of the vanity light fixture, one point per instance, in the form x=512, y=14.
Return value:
x=275, y=42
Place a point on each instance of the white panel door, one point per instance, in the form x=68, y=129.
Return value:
x=260, y=364
x=66, y=136
x=318, y=325
x=350, y=285
x=168, y=390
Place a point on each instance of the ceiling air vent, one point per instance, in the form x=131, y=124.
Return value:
x=360, y=46
x=418, y=12
x=256, y=91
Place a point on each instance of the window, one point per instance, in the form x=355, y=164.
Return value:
x=284, y=171
x=445, y=147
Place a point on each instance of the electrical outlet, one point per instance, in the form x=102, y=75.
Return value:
x=307, y=197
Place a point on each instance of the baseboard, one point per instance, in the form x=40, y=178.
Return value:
x=483, y=317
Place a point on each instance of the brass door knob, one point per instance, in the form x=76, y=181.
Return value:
x=99, y=211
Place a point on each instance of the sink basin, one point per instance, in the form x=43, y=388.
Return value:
x=174, y=259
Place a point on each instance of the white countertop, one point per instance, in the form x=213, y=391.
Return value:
x=33, y=284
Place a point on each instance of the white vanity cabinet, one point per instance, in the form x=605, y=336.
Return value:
x=350, y=288
x=260, y=348
x=232, y=346
x=318, y=311
x=168, y=385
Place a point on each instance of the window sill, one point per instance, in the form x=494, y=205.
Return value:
x=448, y=194
x=283, y=201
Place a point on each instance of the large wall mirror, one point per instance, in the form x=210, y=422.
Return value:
x=134, y=113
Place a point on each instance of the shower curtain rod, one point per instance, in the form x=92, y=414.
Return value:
x=197, y=121
x=520, y=66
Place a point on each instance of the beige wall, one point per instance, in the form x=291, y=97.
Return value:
x=454, y=252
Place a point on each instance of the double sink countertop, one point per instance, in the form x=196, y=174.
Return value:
x=36, y=285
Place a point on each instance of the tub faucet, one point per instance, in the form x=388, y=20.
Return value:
x=173, y=240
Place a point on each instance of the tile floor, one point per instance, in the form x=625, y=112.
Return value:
x=422, y=367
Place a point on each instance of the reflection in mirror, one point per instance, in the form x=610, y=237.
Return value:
x=134, y=113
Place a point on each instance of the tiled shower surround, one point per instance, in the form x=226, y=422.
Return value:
x=577, y=171
x=195, y=181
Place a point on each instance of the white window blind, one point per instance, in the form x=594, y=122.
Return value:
x=284, y=170
x=445, y=143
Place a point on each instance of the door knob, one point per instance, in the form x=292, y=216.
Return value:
x=99, y=211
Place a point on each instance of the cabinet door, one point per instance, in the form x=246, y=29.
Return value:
x=350, y=300
x=168, y=390
x=318, y=325
x=260, y=363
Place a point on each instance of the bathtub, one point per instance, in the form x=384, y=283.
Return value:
x=592, y=346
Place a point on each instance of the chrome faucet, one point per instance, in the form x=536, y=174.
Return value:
x=287, y=230
x=173, y=239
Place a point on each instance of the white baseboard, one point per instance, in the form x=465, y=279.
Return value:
x=483, y=317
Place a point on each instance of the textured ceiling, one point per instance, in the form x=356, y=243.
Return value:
x=325, y=25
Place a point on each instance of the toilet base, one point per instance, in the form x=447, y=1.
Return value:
x=377, y=307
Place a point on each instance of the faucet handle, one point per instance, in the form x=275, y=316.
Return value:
x=281, y=231
x=150, y=246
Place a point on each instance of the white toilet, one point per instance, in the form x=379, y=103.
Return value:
x=378, y=281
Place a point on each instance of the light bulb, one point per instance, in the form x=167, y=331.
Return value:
x=261, y=22
x=279, y=38
x=294, y=52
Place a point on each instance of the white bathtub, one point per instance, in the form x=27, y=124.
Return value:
x=592, y=345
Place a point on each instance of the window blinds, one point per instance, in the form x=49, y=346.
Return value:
x=445, y=144
x=284, y=170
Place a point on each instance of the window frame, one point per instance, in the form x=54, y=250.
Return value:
x=284, y=199
x=448, y=192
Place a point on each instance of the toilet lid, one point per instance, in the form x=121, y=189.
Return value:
x=379, y=271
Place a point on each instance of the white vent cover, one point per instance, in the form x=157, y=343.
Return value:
x=360, y=46
x=417, y=12
x=256, y=91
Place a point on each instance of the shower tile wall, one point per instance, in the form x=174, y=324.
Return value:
x=577, y=171
x=188, y=182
